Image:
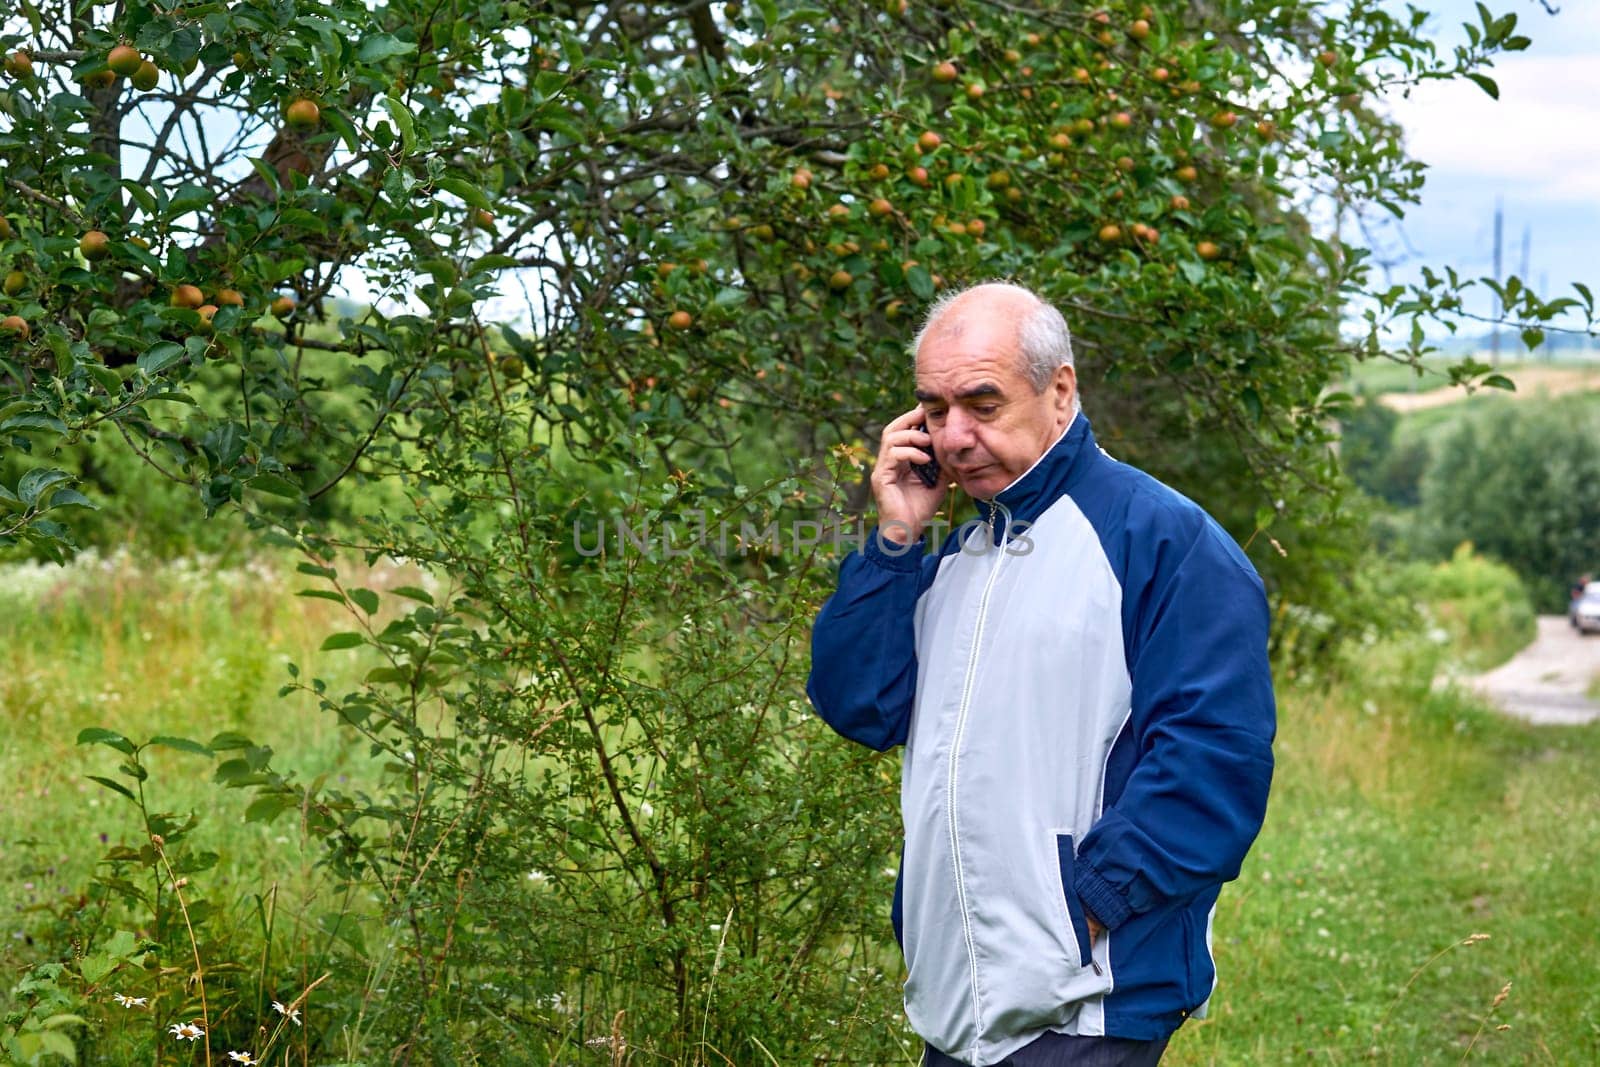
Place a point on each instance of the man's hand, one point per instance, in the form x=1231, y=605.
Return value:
x=904, y=504
x=1095, y=929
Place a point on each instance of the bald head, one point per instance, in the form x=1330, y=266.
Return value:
x=1038, y=333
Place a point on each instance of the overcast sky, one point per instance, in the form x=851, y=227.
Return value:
x=1537, y=148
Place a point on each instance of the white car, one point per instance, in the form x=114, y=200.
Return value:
x=1584, y=612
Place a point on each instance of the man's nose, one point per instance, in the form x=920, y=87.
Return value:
x=958, y=431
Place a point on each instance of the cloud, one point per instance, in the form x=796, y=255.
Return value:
x=1539, y=137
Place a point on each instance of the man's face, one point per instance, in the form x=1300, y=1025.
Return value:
x=987, y=422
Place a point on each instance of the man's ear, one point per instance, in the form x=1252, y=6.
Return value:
x=1064, y=389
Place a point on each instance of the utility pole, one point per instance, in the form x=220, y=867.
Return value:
x=1499, y=301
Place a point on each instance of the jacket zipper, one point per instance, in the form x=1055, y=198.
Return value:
x=951, y=782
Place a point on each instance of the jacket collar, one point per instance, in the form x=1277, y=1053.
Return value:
x=1043, y=483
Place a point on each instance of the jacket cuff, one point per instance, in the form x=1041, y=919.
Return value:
x=891, y=555
x=1109, y=907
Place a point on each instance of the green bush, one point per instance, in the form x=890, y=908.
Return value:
x=1522, y=483
x=1481, y=605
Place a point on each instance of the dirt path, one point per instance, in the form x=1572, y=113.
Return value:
x=1546, y=682
x=1531, y=381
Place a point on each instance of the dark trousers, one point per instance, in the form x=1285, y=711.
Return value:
x=1065, y=1050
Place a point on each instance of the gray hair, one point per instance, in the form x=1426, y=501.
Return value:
x=1043, y=340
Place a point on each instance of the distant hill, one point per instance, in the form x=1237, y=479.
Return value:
x=1557, y=347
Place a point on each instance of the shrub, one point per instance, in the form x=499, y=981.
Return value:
x=1481, y=604
x=1522, y=483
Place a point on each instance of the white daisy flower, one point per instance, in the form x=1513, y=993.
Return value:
x=186, y=1031
x=292, y=1013
x=242, y=1057
x=130, y=1002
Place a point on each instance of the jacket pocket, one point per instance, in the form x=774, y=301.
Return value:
x=1066, y=859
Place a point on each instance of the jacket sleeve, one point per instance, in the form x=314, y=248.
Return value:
x=1199, y=735
x=863, y=646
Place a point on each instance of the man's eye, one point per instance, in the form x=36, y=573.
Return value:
x=935, y=416
x=987, y=409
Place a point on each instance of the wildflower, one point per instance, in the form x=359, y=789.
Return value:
x=293, y=1014
x=242, y=1057
x=186, y=1031
x=130, y=1002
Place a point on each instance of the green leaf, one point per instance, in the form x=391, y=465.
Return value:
x=34, y=420
x=383, y=46
x=265, y=172
x=228, y=740
x=269, y=807
x=189, y=197
x=141, y=196
x=322, y=594
x=159, y=357
x=404, y=120
x=95, y=967
x=317, y=571
x=277, y=485
x=143, y=258
x=465, y=190
x=1499, y=381
x=200, y=910
x=1533, y=337
x=181, y=744
x=36, y=482
x=96, y=735
x=343, y=127
x=920, y=279
x=71, y=498
x=491, y=262
x=1486, y=84
x=411, y=592
x=346, y=639
x=367, y=599
x=114, y=786
x=236, y=773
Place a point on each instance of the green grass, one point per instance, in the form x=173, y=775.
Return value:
x=1403, y=821
x=185, y=648
x=1379, y=376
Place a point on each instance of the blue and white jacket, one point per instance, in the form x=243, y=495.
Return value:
x=1082, y=688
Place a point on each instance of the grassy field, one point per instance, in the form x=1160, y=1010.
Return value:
x=1380, y=376
x=1405, y=823
x=189, y=648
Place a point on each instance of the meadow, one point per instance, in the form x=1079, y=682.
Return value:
x=1424, y=890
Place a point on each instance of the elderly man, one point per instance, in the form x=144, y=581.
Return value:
x=1080, y=681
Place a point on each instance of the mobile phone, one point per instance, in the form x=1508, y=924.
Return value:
x=928, y=472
